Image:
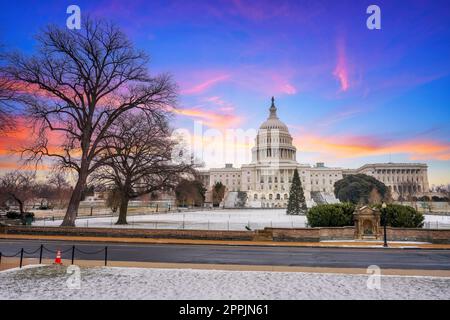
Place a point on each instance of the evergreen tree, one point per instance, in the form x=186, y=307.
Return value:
x=297, y=202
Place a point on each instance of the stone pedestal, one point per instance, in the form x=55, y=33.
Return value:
x=367, y=223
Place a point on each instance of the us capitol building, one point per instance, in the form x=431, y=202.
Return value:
x=266, y=180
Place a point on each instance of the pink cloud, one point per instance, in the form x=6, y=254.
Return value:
x=205, y=85
x=212, y=119
x=341, y=69
x=288, y=89
x=269, y=81
x=214, y=111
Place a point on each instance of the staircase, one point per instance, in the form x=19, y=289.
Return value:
x=330, y=198
x=317, y=197
x=230, y=200
x=323, y=197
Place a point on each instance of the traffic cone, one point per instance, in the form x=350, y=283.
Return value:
x=58, y=257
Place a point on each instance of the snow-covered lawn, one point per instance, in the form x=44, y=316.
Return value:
x=232, y=219
x=50, y=282
x=228, y=219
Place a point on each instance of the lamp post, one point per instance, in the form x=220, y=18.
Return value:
x=383, y=208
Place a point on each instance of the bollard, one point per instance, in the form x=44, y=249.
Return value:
x=40, y=254
x=73, y=253
x=21, y=257
x=106, y=256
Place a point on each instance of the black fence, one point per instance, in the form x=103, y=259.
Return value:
x=22, y=253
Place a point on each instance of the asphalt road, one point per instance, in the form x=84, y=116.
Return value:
x=246, y=255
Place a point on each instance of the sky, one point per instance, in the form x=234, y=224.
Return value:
x=349, y=95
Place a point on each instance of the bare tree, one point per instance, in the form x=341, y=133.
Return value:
x=138, y=159
x=113, y=199
x=6, y=104
x=79, y=83
x=374, y=197
x=190, y=192
x=218, y=193
x=61, y=188
x=18, y=186
x=407, y=190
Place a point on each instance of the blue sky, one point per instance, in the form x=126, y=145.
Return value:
x=349, y=95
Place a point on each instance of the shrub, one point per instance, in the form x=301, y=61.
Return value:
x=331, y=215
x=13, y=215
x=400, y=216
x=16, y=215
x=359, y=189
x=439, y=199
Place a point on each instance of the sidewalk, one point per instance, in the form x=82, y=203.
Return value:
x=326, y=244
x=14, y=263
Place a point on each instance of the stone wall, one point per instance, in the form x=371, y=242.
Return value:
x=312, y=234
x=421, y=235
x=268, y=234
x=347, y=233
x=130, y=233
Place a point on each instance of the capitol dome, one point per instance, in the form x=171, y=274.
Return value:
x=273, y=122
x=273, y=142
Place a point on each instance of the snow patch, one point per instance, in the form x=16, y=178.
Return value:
x=138, y=283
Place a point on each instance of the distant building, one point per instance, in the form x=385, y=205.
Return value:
x=267, y=179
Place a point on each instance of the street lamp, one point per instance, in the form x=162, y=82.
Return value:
x=383, y=207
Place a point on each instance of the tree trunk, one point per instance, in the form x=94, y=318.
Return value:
x=19, y=202
x=74, y=203
x=123, y=210
x=20, y=206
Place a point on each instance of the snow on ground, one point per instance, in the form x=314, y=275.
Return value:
x=437, y=221
x=227, y=219
x=50, y=282
x=231, y=219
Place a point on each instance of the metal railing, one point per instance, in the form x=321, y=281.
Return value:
x=22, y=252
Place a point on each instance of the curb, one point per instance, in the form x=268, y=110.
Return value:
x=155, y=241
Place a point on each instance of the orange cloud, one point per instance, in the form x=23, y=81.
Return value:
x=16, y=165
x=362, y=146
x=211, y=118
x=23, y=136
